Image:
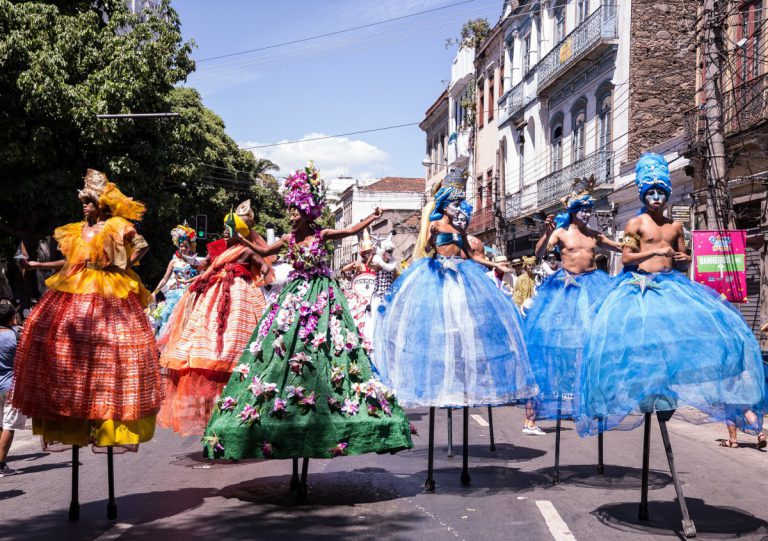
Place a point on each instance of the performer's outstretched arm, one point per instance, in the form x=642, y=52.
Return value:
x=44, y=265
x=272, y=249
x=336, y=234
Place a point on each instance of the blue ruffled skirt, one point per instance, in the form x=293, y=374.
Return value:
x=447, y=337
x=556, y=333
x=662, y=342
x=172, y=298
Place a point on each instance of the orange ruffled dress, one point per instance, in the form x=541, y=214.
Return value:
x=208, y=331
x=86, y=369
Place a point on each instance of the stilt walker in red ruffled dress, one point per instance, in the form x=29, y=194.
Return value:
x=86, y=369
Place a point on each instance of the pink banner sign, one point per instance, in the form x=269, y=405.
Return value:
x=719, y=261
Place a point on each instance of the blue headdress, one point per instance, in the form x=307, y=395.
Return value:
x=652, y=171
x=452, y=188
x=579, y=199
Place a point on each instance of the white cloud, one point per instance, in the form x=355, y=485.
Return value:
x=334, y=157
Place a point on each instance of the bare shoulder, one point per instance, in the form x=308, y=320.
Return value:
x=634, y=224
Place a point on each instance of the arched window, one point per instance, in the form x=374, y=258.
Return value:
x=578, y=132
x=605, y=117
x=556, y=140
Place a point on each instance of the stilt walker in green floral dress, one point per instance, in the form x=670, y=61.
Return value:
x=304, y=387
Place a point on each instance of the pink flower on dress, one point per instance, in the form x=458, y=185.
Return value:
x=227, y=403
x=372, y=410
x=242, y=371
x=350, y=408
x=337, y=376
x=278, y=408
x=334, y=404
x=295, y=392
x=255, y=346
x=318, y=341
x=339, y=450
x=308, y=402
x=250, y=414
x=278, y=346
x=266, y=449
x=354, y=370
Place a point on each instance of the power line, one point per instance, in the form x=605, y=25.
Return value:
x=332, y=136
x=345, y=30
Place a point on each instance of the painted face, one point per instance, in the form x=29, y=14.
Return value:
x=656, y=198
x=552, y=261
x=584, y=214
x=184, y=247
x=452, y=208
x=459, y=220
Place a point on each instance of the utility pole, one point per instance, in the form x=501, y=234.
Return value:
x=713, y=51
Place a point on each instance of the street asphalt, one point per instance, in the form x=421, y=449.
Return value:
x=167, y=491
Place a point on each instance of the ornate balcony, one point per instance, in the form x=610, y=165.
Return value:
x=557, y=185
x=587, y=42
x=744, y=107
x=514, y=101
x=482, y=220
x=514, y=205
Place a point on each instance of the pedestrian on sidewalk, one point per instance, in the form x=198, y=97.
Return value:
x=12, y=419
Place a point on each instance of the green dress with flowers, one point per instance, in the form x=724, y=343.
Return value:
x=304, y=386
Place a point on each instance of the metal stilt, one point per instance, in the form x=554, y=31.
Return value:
x=111, y=505
x=74, y=504
x=429, y=485
x=643, y=514
x=303, y=483
x=556, y=473
x=450, y=432
x=600, y=465
x=294, y=486
x=465, y=478
x=689, y=529
x=490, y=424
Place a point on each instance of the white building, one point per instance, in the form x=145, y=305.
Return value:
x=568, y=111
x=399, y=196
x=460, y=125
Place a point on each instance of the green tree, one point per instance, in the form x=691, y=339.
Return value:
x=64, y=62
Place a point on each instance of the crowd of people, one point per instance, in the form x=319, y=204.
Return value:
x=257, y=348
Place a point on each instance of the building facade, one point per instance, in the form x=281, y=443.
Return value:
x=590, y=85
x=744, y=121
x=402, y=197
x=435, y=127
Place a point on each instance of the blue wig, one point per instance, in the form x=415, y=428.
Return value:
x=652, y=171
x=445, y=195
x=563, y=219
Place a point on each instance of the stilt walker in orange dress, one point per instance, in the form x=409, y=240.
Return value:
x=211, y=326
x=86, y=369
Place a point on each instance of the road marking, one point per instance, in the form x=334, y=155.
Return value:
x=114, y=532
x=479, y=420
x=557, y=526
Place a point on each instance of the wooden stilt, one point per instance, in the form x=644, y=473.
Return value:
x=294, y=486
x=600, y=428
x=450, y=432
x=303, y=483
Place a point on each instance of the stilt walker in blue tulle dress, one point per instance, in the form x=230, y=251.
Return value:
x=662, y=343
x=557, y=325
x=446, y=336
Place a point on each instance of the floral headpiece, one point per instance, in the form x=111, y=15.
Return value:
x=108, y=195
x=304, y=190
x=652, y=171
x=529, y=260
x=183, y=233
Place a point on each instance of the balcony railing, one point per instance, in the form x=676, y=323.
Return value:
x=744, y=107
x=597, y=30
x=514, y=101
x=557, y=185
x=514, y=205
x=482, y=220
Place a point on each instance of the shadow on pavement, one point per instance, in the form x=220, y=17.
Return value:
x=28, y=456
x=665, y=519
x=366, y=485
x=478, y=452
x=614, y=478
x=132, y=509
x=8, y=494
x=486, y=480
x=196, y=461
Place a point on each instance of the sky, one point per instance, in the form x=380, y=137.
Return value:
x=384, y=75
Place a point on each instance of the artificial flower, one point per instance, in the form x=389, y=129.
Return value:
x=350, y=407
x=242, y=371
x=339, y=450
